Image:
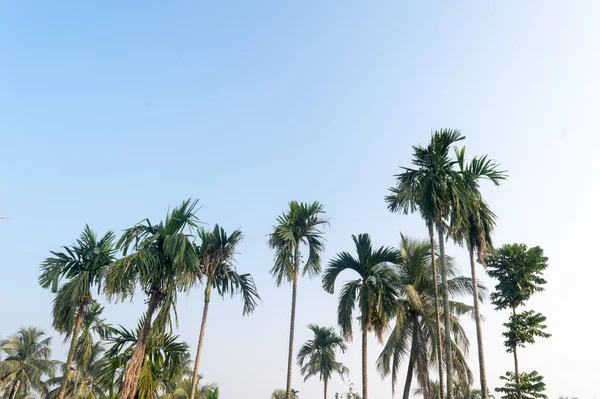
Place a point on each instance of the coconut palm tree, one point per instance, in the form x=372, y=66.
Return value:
x=301, y=225
x=281, y=394
x=216, y=254
x=375, y=292
x=415, y=334
x=163, y=362
x=473, y=227
x=81, y=383
x=318, y=355
x=435, y=185
x=83, y=266
x=405, y=197
x=26, y=362
x=163, y=260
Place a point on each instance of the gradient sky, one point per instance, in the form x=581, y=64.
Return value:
x=110, y=111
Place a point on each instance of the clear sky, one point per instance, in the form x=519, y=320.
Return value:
x=110, y=111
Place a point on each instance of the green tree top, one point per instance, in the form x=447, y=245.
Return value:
x=518, y=270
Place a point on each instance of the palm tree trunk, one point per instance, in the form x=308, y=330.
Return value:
x=411, y=360
x=71, y=355
x=482, y=376
x=364, y=364
x=288, y=390
x=134, y=367
x=195, y=377
x=446, y=307
x=438, y=327
x=15, y=389
x=517, y=378
x=325, y=388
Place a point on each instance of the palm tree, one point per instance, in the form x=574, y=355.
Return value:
x=82, y=383
x=27, y=361
x=406, y=198
x=474, y=227
x=415, y=334
x=375, y=291
x=163, y=261
x=435, y=186
x=216, y=253
x=84, y=266
x=301, y=224
x=163, y=362
x=317, y=356
x=281, y=394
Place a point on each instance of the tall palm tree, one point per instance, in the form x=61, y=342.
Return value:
x=26, y=362
x=375, y=292
x=415, y=334
x=473, y=227
x=435, y=185
x=301, y=225
x=216, y=253
x=318, y=355
x=405, y=198
x=163, y=261
x=162, y=364
x=83, y=266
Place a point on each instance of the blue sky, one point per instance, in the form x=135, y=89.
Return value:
x=111, y=111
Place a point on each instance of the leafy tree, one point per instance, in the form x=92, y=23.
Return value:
x=434, y=186
x=472, y=225
x=162, y=264
x=27, y=361
x=528, y=386
x=414, y=335
x=318, y=355
x=301, y=225
x=83, y=266
x=518, y=270
x=375, y=292
x=216, y=254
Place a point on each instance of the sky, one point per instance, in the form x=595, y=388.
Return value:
x=110, y=112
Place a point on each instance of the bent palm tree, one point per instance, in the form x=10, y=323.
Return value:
x=26, y=362
x=317, y=356
x=375, y=292
x=301, y=224
x=84, y=266
x=163, y=261
x=216, y=254
x=415, y=334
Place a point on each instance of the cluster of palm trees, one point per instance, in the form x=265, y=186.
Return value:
x=407, y=296
x=402, y=285
x=148, y=362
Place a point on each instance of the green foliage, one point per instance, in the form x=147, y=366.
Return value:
x=523, y=328
x=532, y=386
x=164, y=362
x=26, y=362
x=300, y=225
x=518, y=270
x=375, y=291
x=280, y=394
x=318, y=355
x=83, y=266
x=414, y=336
x=216, y=254
x=164, y=261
